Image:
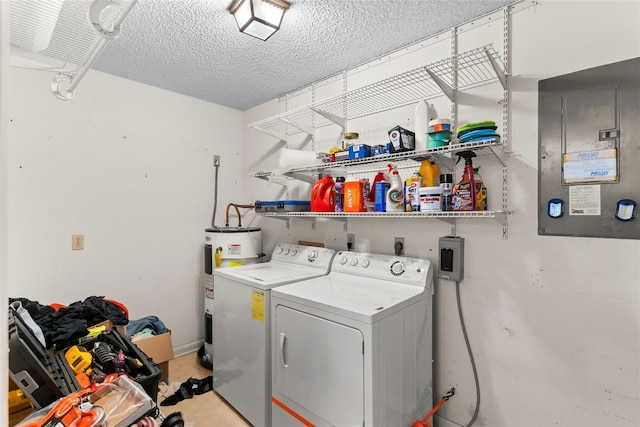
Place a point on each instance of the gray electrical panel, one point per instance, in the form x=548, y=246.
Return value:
x=589, y=152
x=451, y=258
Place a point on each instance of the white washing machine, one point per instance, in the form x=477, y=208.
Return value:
x=241, y=325
x=354, y=348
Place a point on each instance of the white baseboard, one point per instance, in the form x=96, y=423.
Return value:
x=187, y=348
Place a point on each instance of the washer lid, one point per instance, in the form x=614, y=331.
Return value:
x=269, y=274
x=359, y=298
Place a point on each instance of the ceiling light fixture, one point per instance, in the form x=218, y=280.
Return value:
x=258, y=18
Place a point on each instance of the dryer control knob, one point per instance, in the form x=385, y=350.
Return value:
x=365, y=263
x=397, y=268
x=293, y=252
x=354, y=262
x=343, y=260
x=279, y=249
x=313, y=254
x=286, y=251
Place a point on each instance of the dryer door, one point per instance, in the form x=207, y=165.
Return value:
x=320, y=366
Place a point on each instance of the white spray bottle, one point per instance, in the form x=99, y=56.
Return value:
x=395, y=193
x=422, y=114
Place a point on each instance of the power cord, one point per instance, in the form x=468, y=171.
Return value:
x=473, y=363
x=398, y=248
x=215, y=200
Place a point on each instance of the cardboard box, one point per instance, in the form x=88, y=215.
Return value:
x=401, y=139
x=341, y=155
x=159, y=348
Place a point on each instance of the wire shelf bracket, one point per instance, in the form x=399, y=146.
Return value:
x=502, y=76
x=334, y=118
x=280, y=137
x=446, y=89
x=301, y=126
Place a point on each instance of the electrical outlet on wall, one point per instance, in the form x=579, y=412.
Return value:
x=77, y=242
x=398, y=246
x=351, y=241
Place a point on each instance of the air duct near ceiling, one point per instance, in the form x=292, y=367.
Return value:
x=63, y=36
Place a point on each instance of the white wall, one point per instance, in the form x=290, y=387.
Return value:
x=554, y=322
x=131, y=168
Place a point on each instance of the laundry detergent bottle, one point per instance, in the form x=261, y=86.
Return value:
x=323, y=196
x=395, y=193
x=463, y=196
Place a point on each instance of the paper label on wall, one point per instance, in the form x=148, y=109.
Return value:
x=257, y=305
x=584, y=200
x=590, y=166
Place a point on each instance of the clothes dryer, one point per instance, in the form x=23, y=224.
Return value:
x=354, y=347
x=241, y=324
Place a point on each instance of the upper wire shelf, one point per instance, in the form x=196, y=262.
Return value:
x=442, y=154
x=473, y=68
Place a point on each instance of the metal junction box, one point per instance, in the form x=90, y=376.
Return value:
x=589, y=152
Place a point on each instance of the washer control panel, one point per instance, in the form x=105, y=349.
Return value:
x=303, y=255
x=393, y=268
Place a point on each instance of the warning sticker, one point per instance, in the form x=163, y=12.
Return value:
x=257, y=305
x=584, y=200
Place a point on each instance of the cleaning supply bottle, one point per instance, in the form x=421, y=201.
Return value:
x=412, y=192
x=339, y=189
x=481, y=190
x=463, y=196
x=446, y=185
x=436, y=174
x=373, y=195
x=395, y=193
x=421, y=124
x=427, y=171
x=323, y=196
x=366, y=195
x=423, y=113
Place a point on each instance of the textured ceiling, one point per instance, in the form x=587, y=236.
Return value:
x=193, y=47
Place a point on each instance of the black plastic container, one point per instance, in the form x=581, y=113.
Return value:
x=42, y=376
x=46, y=376
x=147, y=375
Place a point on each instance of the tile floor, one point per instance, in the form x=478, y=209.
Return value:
x=205, y=410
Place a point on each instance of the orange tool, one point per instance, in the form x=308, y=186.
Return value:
x=67, y=412
x=423, y=422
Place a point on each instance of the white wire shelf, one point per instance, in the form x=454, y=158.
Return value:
x=473, y=68
x=63, y=36
x=443, y=155
x=449, y=216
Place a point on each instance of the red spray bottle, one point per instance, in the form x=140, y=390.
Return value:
x=463, y=196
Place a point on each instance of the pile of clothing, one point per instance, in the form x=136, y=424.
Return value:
x=59, y=326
